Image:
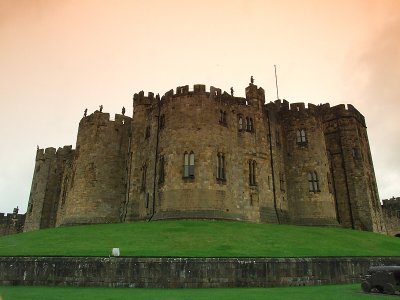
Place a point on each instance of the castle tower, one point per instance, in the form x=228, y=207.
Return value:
x=204, y=154
x=352, y=170
x=307, y=172
x=95, y=187
x=46, y=187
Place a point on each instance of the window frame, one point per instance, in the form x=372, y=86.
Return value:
x=313, y=182
x=188, y=164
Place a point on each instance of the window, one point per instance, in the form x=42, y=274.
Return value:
x=252, y=172
x=188, y=168
x=240, y=123
x=356, y=153
x=146, y=199
x=249, y=124
x=281, y=182
x=222, y=117
x=144, y=171
x=329, y=183
x=161, y=170
x=221, y=166
x=313, y=185
x=147, y=132
x=398, y=214
x=301, y=136
x=162, y=121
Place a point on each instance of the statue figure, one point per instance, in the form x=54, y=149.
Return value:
x=101, y=108
x=251, y=80
x=123, y=110
x=231, y=91
x=85, y=112
x=158, y=97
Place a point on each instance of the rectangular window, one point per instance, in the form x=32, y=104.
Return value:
x=221, y=166
x=144, y=171
x=398, y=214
x=313, y=184
x=188, y=165
x=147, y=199
x=252, y=172
x=328, y=176
x=161, y=172
x=301, y=137
x=282, y=182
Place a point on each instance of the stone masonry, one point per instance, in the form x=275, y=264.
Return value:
x=391, y=214
x=207, y=154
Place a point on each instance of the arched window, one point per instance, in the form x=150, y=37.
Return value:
x=301, y=136
x=188, y=168
x=313, y=185
x=221, y=166
x=252, y=172
x=240, y=123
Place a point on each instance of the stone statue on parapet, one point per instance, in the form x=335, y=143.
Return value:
x=252, y=80
x=85, y=112
x=101, y=108
x=123, y=110
x=158, y=97
x=232, y=91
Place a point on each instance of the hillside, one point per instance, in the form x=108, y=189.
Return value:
x=199, y=238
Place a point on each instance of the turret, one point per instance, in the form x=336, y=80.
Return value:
x=96, y=187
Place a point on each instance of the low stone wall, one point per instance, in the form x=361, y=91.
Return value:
x=170, y=272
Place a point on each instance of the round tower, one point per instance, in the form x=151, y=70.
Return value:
x=307, y=174
x=97, y=180
x=199, y=154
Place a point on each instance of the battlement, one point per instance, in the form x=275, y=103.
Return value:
x=212, y=93
x=51, y=152
x=337, y=111
x=141, y=99
x=8, y=218
x=103, y=118
x=391, y=203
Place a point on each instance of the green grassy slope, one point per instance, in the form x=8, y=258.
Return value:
x=200, y=238
x=332, y=292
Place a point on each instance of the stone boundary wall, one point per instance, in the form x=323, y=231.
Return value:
x=170, y=272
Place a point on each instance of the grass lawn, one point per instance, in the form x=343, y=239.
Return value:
x=342, y=292
x=199, y=238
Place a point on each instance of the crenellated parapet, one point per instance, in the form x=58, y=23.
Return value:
x=51, y=152
x=325, y=110
x=11, y=223
x=141, y=99
x=213, y=93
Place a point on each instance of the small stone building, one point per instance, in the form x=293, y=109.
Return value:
x=198, y=153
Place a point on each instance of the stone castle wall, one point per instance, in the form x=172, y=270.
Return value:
x=391, y=214
x=46, y=187
x=197, y=153
x=94, y=188
x=182, y=272
x=11, y=223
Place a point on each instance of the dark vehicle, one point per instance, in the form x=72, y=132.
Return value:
x=384, y=279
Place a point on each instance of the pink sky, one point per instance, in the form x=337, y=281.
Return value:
x=58, y=57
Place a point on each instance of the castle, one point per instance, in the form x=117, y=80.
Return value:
x=210, y=155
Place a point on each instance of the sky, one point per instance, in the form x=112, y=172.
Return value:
x=58, y=57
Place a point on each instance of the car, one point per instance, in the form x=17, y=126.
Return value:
x=382, y=279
